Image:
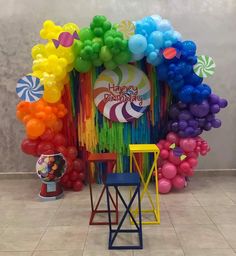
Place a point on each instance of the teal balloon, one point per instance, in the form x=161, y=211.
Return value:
x=137, y=44
x=156, y=38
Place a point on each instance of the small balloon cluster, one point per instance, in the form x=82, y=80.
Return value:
x=40, y=115
x=190, y=120
x=177, y=160
x=179, y=74
x=152, y=35
x=50, y=143
x=100, y=44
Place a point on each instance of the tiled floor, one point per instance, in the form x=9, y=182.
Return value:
x=199, y=221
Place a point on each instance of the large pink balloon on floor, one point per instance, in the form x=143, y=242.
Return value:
x=169, y=170
x=164, y=185
x=188, y=144
x=178, y=182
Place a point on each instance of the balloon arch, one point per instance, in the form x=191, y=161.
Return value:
x=105, y=86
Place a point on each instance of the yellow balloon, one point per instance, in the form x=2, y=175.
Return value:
x=71, y=27
x=48, y=24
x=52, y=95
x=38, y=49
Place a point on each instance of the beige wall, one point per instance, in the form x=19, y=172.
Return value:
x=210, y=23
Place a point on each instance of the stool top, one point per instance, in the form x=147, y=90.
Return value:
x=139, y=148
x=123, y=179
x=102, y=157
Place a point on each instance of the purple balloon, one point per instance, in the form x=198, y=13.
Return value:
x=174, y=112
x=198, y=131
x=181, y=105
x=210, y=117
x=223, y=103
x=174, y=126
x=182, y=124
x=182, y=134
x=214, y=99
x=189, y=131
x=207, y=126
x=193, y=123
x=216, y=123
x=215, y=108
x=200, y=110
x=201, y=121
x=185, y=115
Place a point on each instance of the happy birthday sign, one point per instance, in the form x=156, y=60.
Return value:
x=123, y=94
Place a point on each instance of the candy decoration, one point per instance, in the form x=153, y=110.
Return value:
x=205, y=66
x=65, y=39
x=127, y=28
x=29, y=88
x=122, y=94
x=169, y=53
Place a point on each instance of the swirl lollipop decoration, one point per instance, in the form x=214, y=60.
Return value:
x=29, y=88
x=205, y=66
x=127, y=28
x=122, y=94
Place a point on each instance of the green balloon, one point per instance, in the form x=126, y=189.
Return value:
x=110, y=64
x=117, y=42
x=85, y=34
x=77, y=47
x=105, y=54
x=98, y=40
x=82, y=65
x=88, y=50
x=106, y=25
x=96, y=47
x=98, y=32
x=98, y=20
x=123, y=57
x=109, y=41
x=97, y=63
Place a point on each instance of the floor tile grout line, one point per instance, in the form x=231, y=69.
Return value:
x=176, y=233
x=46, y=228
x=216, y=226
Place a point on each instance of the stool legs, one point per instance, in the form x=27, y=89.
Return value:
x=114, y=232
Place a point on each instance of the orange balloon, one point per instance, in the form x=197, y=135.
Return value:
x=20, y=115
x=57, y=126
x=35, y=128
x=26, y=118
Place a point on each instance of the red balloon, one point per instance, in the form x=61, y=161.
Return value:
x=69, y=165
x=178, y=182
x=74, y=176
x=47, y=135
x=59, y=140
x=64, y=179
x=167, y=145
x=63, y=150
x=77, y=185
x=46, y=148
x=81, y=176
x=78, y=165
x=172, y=137
x=72, y=152
x=29, y=146
x=68, y=184
x=160, y=146
x=185, y=168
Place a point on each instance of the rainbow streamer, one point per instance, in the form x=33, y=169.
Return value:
x=98, y=134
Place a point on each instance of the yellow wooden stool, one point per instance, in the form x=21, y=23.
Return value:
x=147, y=148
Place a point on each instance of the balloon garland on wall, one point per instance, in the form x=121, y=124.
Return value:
x=170, y=103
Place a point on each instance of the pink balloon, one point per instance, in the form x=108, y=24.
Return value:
x=192, y=162
x=184, y=168
x=162, y=142
x=192, y=154
x=160, y=175
x=164, y=154
x=160, y=146
x=172, y=138
x=178, y=182
x=164, y=185
x=167, y=145
x=173, y=158
x=169, y=170
x=190, y=172
x=188, y=144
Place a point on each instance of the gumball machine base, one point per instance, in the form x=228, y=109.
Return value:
x=51, y=190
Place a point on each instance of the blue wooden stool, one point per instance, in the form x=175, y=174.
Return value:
x=117, y=180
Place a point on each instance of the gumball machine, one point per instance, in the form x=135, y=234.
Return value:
x=50, y=169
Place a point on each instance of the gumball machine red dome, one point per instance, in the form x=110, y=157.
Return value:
x=50, y=169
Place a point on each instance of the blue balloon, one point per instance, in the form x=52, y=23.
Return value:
x=164, y=25
x=137, y=44
x=136, y=57
x=189, y=48
x=156, y=38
